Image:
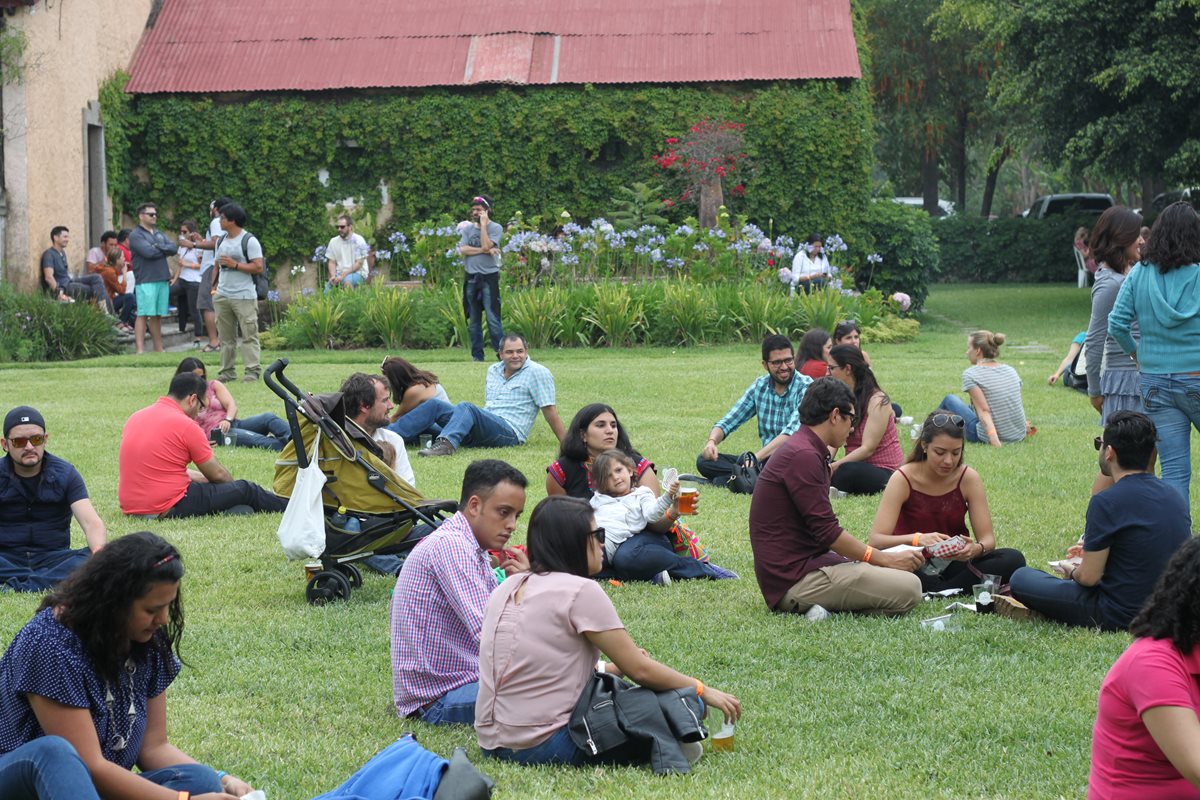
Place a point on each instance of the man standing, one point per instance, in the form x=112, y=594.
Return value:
x=57, y=276
x=150, y=248
x=1132, y=530
x=774, y=398
x=208, y=261
x=440, y=596
x=39, y=493
x=236, y=302
x=346, y=255
x=802, y=557
x=479, y=246
x=157, y=445
x=367, y=402
x=516, y=388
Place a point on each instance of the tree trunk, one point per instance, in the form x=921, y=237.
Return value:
x=711, y=199
x=993, y=174
x=929, y=178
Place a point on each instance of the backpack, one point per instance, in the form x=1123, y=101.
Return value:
x=261, y=280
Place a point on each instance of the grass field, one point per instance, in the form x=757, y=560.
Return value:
x=294, y=698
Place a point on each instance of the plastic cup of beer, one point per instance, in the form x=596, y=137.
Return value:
x=723, y=739
x=687, y=500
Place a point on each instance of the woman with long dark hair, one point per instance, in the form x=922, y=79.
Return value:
x=419, y=398
x=930, y=498
x=1146, y=740
x=93, y=667
x=542, y=634
x=814, y=354
x=1162, y=295
x=873, y=448
x=220, y=415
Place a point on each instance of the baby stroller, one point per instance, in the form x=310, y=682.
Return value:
x=368, y=509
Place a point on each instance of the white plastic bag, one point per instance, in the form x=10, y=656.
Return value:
x=302, y=529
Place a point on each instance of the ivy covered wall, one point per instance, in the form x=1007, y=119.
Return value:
x=532, y=149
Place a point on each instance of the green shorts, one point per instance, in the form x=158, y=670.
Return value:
x=151, y=298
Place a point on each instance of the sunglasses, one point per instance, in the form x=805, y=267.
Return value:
x=599, y=534
x=1098, y=442
x=37, y=440
x=150, y=213
x=942, y=420
x=342, y=227
x=850, y=415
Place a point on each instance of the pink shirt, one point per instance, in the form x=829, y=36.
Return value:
x=213, y=411
x=888, y=453
x=1127, y=763
x=157, y=445
x=534, y=659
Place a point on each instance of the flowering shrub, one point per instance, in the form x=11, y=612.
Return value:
x=711, y=153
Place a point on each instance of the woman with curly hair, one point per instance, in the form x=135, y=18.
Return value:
x=419, y=397
x=1146, y=740
x=1162, y=295
x=93, y=667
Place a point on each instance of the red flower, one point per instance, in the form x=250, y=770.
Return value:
x=739, y=190
x=668, y=203
x=672, y=140
x=770, y=262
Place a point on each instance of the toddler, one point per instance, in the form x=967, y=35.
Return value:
x=621, y=508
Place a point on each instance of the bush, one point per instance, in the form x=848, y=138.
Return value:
x=904, y=239
x=36, y=328
x=1014, y=249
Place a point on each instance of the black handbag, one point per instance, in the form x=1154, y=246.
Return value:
x=745, y=474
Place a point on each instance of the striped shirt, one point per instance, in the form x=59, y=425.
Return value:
x=777, y=413
x=1001, y=386
x=516, y=399
x=437, y=613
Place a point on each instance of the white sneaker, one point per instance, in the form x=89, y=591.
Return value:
x=693, y=751
x=662, y=579
x=816, y=614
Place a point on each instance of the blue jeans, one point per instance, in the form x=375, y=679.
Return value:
x=559, y=749
x=1062, y=600
x=471, y=426
x=193, y=778
x=481, y=294
x=38, y=571
x=645, y=554
x=1172, y=403
x=351, y=281
x=455, y=707
x=955, y=405
x=429, y=417
x=253, y=431
x=48, y=768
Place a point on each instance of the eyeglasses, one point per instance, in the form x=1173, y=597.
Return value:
x=150, y=213
x=37, y=440
x=1098, y=442
x=850, y=415
x=942, y=420
x=599, y=534
x=781, y=362
x=342, y=227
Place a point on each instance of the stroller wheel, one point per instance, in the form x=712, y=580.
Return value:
x=327, y=586
x=351, y=573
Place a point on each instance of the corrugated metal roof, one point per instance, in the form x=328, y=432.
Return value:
x=205, y=46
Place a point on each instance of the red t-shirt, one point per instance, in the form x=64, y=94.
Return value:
x=815, y=369
x=157, y=445
x=1127, y=764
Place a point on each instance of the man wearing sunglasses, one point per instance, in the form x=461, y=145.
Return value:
x=346, y=256
x=39, y=494
x=479, y=246
x=152, y=275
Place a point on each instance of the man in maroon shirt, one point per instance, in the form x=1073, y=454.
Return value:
x=802, y=557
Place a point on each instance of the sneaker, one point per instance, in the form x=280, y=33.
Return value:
x=249, y=378
x=662, y=579
x=1012, y=608
x=721, y=574
x=817, y=613
x=692, y=750
x=440, y=447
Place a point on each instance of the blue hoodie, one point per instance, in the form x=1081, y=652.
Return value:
x=1167, y=309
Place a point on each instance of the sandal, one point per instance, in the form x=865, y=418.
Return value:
x=208, y=348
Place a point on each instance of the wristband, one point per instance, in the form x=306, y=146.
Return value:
x=699, y=688
x=867, y=555
x=916, y=539
x=228, y=419
x=184, y=795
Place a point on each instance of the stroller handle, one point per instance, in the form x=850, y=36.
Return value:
x=274, y=376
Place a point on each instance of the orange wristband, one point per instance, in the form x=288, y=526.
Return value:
x=916, y=539
x=867, y=555
x=184, y=795
x=699, y=688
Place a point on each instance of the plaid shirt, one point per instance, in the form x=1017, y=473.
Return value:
x=516, y=400
x=777, y=413
x=437, y=613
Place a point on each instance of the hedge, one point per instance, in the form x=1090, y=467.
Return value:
x=1014, y=249
x=34, y=327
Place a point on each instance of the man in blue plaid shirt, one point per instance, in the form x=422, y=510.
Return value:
x=774, y=398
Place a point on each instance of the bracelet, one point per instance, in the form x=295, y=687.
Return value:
x=229, y=419
x=184, y=795
x=699, y=688
x=867, y=555
x=916, y=539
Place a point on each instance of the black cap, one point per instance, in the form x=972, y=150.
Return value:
x=23, y=415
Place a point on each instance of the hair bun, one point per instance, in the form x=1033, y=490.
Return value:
x=997, y=339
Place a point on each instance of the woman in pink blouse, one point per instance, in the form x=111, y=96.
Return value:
x=873, y=448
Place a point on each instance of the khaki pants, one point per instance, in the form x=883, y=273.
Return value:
x=855, y=587
x=232, y=314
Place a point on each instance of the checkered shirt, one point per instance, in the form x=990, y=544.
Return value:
x=777, y=413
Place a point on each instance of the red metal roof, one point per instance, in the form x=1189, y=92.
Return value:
x=206, y=46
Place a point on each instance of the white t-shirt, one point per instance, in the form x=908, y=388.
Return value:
x=189, y=266
x=401, y=465
x=207, y=257
x=235, y=284
x=811, y=267
x=346, y=252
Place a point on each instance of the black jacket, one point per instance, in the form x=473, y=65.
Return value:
x=611, y=712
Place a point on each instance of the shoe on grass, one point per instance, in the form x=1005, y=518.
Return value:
x=692, y=751
x=662, y=579
x=1012, y=608
x=440, y=447
x=721, y=574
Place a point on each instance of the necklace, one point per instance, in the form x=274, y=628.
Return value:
x=116, y=742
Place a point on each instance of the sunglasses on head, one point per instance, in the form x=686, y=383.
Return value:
x=37, y=440
x=599, y=534
x=942, y=420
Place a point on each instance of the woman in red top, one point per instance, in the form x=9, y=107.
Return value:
x=930, y=498
x=814, y=354
x=873, y=449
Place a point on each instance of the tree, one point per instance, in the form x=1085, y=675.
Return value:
x=712, y=152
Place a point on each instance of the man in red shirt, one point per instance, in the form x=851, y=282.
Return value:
x=802, y=557
x=157, y=446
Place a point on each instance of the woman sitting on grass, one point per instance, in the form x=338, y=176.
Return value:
x=814, y=354
x=93, y=667
x=929, y=499
x=998, y=415
x=412, y=389
x=1146, y=740
x=873, y=450
x=265, y=430
x=542, y=634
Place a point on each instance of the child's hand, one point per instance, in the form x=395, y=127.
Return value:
x=672, y=489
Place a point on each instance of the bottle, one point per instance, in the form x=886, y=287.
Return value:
x=339, y=519
x=347, y=522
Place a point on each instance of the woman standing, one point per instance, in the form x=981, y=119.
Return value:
x=997, y=415
x=1162, y=294
x=931, y=497
x=542, y=634
x=873, y=450
x=413, y=391
x=93, y=667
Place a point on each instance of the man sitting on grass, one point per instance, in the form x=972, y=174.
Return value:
x=440, y=596
x=1132, y=530
x=157, y=445
x=802, y=557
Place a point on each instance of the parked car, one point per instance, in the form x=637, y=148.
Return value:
x=1088, y=203
x=1190, y=194
x=945, y=207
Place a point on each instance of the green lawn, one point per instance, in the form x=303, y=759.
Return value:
x=295, y=698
